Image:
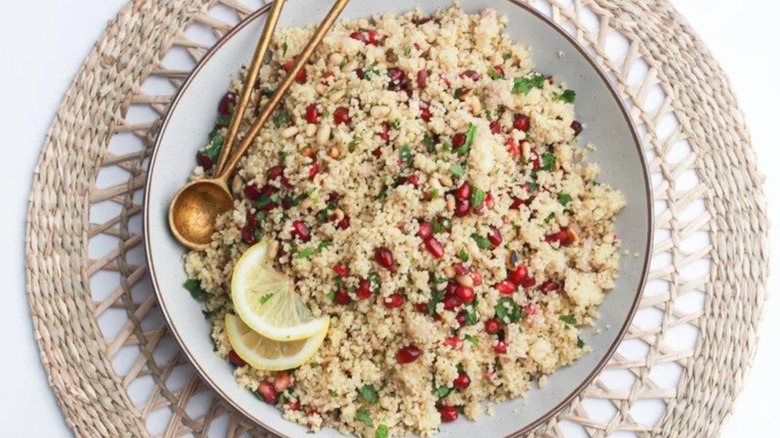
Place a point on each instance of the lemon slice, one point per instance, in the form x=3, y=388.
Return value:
x=266, y=301
x=266, y=354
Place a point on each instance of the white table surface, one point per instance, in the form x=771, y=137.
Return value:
x=42, y=44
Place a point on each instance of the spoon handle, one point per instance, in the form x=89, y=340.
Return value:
x=276, y=99
x=249, y=82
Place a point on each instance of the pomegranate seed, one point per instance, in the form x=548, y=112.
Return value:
x=342, y=297
x=500, y=347
x=471, y=74
x=462, y=381
x=458, y=140
x=421, y=308
x=385, y=134
x=506, y=287
x=313, y=113
x=461, y=319
x=499, y=70
x=434, y=247
x=577, y=127
x=407, y=354
x=300, y=77
x=396, y=76
x=251, y=219
x=463, y=192
x=314, y=169
x=235, y=359
x=495, y=127
x=275, y=172
x=529, y=310
x=294, y=406
x=512, y=147
x=450, y=288
x=422, y=79
x=448, y=414
x=341, y=116
x=252, y=192
x=460, y=269
x=204, y=161
x=494, y=236
x=248, y=235
x=516, y=203
x=282, y=381
x=492, y=326
x=425, y=231
x=522, y=123
x=490, y=202
x=518, y=275
x=465, y=293
x=549, y=286
x=384, y=257
x=476, y=277
x=528, y=282
x=227, y=101
x=413, y=180
x=360, y=73
x=364, y=289
x=301, y=230
x=267, y=391
x=452, y=302
x=341, y=270
x=373, y=37
x=453, y=342
x=344, y=223
x=358, y=36
x=394, y=301
x=462, y=207
x=425, y=112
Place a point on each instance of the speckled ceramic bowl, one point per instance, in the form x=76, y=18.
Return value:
x=608, y=125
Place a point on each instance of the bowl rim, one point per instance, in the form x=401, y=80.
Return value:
x=647, y=253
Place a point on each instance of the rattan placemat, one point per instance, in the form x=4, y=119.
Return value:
x=117, y=371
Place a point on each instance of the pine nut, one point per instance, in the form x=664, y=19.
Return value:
x=445, y=181
x=311, y=129
x=380, y=111
x=350, y=67
x=450, y=202
x=323, y=135
x=337, y=95
x=335, y=59
x=334, y=152
x=448, y=271
x=290, y=132
x=465, y=280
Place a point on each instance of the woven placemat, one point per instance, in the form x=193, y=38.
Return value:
x=117, y=371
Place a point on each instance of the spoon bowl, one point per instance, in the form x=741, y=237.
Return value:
x=194, y=211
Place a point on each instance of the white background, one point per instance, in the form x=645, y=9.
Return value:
x=42, y=45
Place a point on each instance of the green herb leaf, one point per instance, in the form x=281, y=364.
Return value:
x=564, y=199
x=477, y=196
x=437, y=227
x=482, y=242
x=284, y=48
x=471, y=134
x=580, y=342
x=405, y=153
x=457, y=170
x=343, y=63
x=364, y=417
x=213, y=312
x=369, y=394
x=569, y=319
x=474, y=341
x=332, y=393
x=434, y=193
x=381, y=431
x=533, y=186
x=442, y=391
x=305, y=253
x=324, y=244
x=197, y=292
x=507, y=308
x=214, y=148
x=436, y=298
x=507, y=56
x=331, y=295
x=265, y=298
x=373, y=278
x=549, y=218
x=395, y=124
x=494, y=74
x=567, y=96
x=428, y=142
x=283, y=155
x=471, y=316
x=407, y=50
x=463, y=255
x=548, y=161
x=353, y=144
x=281, y=118
x=524, y=85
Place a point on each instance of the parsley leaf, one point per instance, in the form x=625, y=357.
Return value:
x=197, y=292
x=463, y=255
x=580, y=342
x=305, y=253
x=213, y=149
x=332, y=393
x=364, y=417
x=482, y=242
x=405, y=153
x=369, y=394
x=442, y=391
x=567, y=96
x=353, y=144
x=407, y=50
x=569, y=319
x=428, y=142
x=477, y=196
x=324, y=244
x=524, y=85
x=265, y=298
x=548, y=161
x=284, y=48
x=457, y=170
x=507, y=308
x=395, y=124
x=381, y=431
x=564, y=199
x=436, y=298
x=472, y=340
x=281, y=118
x=471, y=134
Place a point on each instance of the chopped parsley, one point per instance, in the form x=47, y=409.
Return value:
x=525, y=84
x=477, y=196
x=436, y=298
x=442, y=391
x=474, y=341
x=494, y=74
x=364, y=417
x=197, y=292
x=564, y=199
x=265, y=298
x=284, y=48
x=569, y=319
x=457, y=170
x=482, y=242
x=283, y=155
x=395, y=124
x=306, y=253
x=281, y=118
x=381, y=431
x=353, y=144
x=405, y=153
x=567, y=96
x=428, y=142
x=407, y=50
x=508, y=309
x=463, y=255
x=332, y=393
x=580, y=342
x=434, y=193
x=213, y=149
x=548, y=161
x=369, y=394
x=471, y=134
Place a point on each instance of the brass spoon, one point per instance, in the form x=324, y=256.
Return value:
x=196, y=206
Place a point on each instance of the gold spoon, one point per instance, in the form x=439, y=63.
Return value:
x=196, y=206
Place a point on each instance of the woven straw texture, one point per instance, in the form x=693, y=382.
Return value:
x=117, y=371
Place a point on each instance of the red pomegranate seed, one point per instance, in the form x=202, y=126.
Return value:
x=407, y=354
x=267, y=391
x=471, y=74
x=476, y=277
x=528, y=282
x=492, y=326
x=453, y=342
x=421, y=308
x=413, y=180
x=342, y=297
x=522, y=123
x=512, y=147
x=495, y=127
x=204, y=161
x=341, y=270
x=529, y=310
x=394, y=301
x=577, y=127
x=364, y=289
x=479, y=209
x=275, y=172
x=293, y=406
x=251, y=219
x=506, y=287
x=396, y=76
x=360, y=73
x=358, y=36
x=341, y=116
x=490, y=202
x=425, y=231
x=452, y=302
x=314, y=169
x=385, y=134
x=235, y=359
x=300, y=77
x=425, y=112
x=227, y=101
x=463, y=192
x=458, y=140
x=462, y=381
x=465, y=293
x=518, y=275
x=461, y=319
x=422, y=79
x=462, y=207
x=282, y=381
x=494, y=236
x=448, y=414
x=248, y=235
x=516, y=203
x=313, y=113
x=252, y=192
x=500, y=347
x=499, y=70
x=450, y=288
x=434, y=247
x=384, y=257
x=460, y=269
x=549, y=286
x=374, y=38
x=301, y=230
x=344, y=223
